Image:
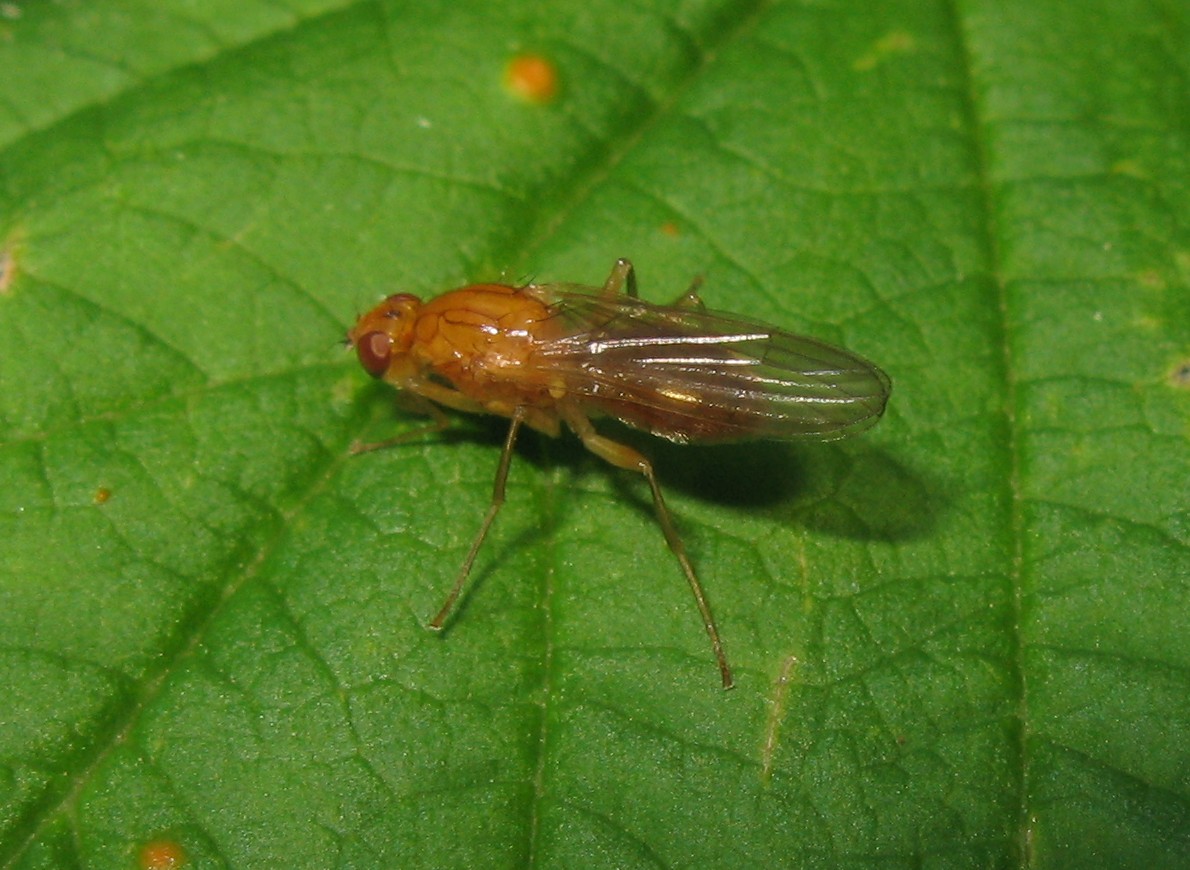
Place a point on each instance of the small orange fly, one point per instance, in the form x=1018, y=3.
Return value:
x=547, y=354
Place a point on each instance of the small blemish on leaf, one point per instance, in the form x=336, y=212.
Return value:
x=1180, y=376
x=1152, y=279
x=532, y=77
x=344, y=391
x=162, y=855
x=1130, y=168
x=772, y=729
x=102, y=495
x=670, y=229
x=897, y=42
x=8, y=270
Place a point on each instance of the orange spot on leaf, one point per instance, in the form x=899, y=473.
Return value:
x=532, y=78
x=162, y=855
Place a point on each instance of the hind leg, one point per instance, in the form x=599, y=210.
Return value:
x=623, y=456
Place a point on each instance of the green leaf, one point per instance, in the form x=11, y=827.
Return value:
x=960, y=639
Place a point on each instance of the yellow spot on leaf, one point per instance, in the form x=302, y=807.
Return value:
x=8, y=264
x=772, y=730
x=897, y=42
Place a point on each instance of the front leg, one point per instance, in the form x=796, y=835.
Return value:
x=426, y=397
x=518, y=417
x=446, y=396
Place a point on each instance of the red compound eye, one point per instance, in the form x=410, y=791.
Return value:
x=375, y=351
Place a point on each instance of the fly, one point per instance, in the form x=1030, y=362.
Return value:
x=544, y=355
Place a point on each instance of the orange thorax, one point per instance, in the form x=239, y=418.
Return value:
x=480, y=338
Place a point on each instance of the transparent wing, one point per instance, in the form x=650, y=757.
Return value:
x=692, y=375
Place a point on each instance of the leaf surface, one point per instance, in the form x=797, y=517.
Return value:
x=960, y=639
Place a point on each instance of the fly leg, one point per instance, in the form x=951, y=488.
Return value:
x=623, y=456
x=439, y=422
x=690, y=300
x=622, y=278
x=518, y=417
x=425, y=400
